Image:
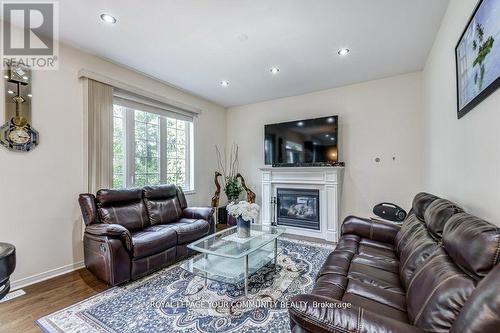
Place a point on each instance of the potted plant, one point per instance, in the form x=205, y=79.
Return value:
x=245, y=213
x=232, y=188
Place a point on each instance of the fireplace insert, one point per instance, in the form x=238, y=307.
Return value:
x=298, y=208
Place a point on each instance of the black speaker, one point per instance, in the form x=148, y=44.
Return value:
x=389, y=211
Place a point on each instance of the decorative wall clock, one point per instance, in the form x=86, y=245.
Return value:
x=17, y=134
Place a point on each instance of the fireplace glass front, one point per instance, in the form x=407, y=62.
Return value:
x=298, y=208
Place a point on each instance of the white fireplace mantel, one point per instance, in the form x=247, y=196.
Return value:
x=328, y=180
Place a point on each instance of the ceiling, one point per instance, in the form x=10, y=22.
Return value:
x=196, y=44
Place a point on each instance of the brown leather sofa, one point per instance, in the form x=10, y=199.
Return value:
x=438, y=272
x=130, y=233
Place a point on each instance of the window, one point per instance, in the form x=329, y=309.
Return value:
x=150, y=149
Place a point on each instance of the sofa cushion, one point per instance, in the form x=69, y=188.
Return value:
x=383, y=296
x=418, y=247
x=386, y=264
x=437, y=293
x=368, y=252
x=473, y=243
x=143, y=266
x=338, y=262
x=416, y=256
x=348, y=243
x=89, y=209
x=410, y=226
x=162, y=204
x=376, y=277
x=181, y=197
x=330, y=285
x=152, y=240
x=376, y=244
x=376, y=307
x=365, y=246
x=376, y=252
x=437, y=215
x=189, y=230
x=480, y=313
x=421, y=202
x=124, y=207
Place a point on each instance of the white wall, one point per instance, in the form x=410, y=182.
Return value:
x=412, y=117
x=39, y=189
x=377, y=119
x=462, y=157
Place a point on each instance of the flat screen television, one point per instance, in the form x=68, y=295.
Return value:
x=309, y=142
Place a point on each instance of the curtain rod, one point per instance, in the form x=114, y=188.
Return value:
x=85, y=73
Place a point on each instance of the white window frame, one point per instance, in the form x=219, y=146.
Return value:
x=129, y=148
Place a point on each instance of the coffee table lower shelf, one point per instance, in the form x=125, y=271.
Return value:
x=231, y=270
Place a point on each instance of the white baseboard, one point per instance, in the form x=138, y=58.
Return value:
x=46, y=275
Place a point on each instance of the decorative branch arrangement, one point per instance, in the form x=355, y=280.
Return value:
x=230, y=182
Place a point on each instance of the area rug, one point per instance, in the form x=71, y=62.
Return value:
x=174, y=300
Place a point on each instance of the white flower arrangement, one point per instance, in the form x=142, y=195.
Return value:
x=247, y=211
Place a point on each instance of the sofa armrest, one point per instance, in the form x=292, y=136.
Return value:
x=111, y=231
x=376, y=230
x=202, y=213
x=320, y=314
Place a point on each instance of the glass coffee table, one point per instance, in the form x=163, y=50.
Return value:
x=227, y=258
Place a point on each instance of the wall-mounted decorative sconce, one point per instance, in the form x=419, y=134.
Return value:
x=17, y=134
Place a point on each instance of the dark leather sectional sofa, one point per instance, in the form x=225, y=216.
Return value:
x=438, y=272
x=130, y=233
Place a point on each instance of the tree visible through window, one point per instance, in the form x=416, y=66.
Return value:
x=150, y=149
x=176, y=151
x=147, y=161
x=118, y=146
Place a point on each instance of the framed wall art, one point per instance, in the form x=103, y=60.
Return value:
x=478, y=57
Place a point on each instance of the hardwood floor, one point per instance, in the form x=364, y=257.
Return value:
x=19, y=315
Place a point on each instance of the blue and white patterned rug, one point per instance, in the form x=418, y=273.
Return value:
x=174, y=300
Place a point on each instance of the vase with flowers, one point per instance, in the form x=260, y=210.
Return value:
x=245, y=213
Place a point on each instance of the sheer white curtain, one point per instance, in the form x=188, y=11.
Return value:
x=99, y=94
x=99, y=134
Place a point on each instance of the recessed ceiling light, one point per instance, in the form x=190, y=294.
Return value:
x=224, y=83
x=332, y=139
x=10, y=92
x=327, y=135
x=300, y=123
x=30, y=95
x=344, y=52
x=330, y=120
x=275, y=70
x=108, y=18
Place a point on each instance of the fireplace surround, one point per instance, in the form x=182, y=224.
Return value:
x=325, y=181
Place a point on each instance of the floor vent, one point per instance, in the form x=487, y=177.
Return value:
x=12, y=295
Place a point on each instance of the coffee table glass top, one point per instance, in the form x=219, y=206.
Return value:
x=227, y=244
